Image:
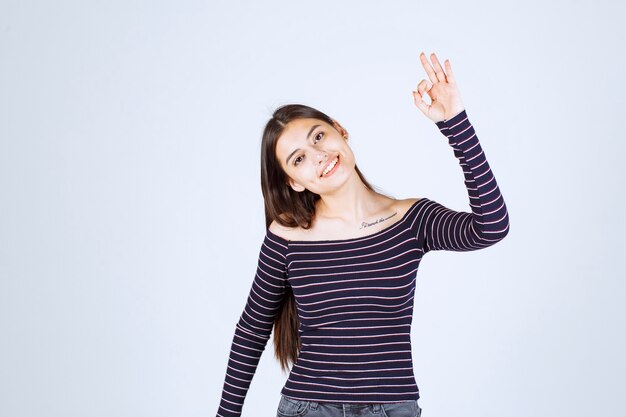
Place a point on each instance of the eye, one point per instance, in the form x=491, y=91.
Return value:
x=316, y=139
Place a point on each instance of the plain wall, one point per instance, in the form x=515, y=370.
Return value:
x=131, y=213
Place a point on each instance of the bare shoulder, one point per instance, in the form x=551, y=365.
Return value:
x=404, y=205
x=328, y=230
x=284, y=232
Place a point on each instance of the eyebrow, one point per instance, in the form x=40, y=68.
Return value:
x=307, y=138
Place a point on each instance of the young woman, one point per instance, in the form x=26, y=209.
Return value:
x=337, y=267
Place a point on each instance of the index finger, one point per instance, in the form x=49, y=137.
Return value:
x=428, y=68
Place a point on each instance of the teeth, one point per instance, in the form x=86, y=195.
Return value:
x=329, y=167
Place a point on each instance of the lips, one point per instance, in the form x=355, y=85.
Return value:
x=328, y=163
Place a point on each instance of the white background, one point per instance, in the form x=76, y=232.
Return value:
x=131, y=213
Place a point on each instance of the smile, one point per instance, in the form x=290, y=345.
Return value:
x=331, y=168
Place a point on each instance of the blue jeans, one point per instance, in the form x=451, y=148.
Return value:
x=289, y=407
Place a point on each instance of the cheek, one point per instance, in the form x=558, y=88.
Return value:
x=294, y=172
x=348, y=162
x=306, y=172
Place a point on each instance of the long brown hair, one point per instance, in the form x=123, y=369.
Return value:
x=288, y=208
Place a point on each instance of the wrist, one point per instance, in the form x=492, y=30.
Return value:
x=453, y=114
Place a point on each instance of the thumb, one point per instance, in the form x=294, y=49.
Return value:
x=420, y=103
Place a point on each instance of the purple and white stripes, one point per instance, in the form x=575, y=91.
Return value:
x=355, y=296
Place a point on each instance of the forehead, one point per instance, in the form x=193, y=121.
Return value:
x=299, y=126
x=295, y=134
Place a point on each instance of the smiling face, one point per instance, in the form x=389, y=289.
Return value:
x=307, y=147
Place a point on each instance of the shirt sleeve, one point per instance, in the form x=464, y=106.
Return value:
x=440, y=228
x=255, y=325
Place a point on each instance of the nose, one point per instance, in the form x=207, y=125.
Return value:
x=321, y=157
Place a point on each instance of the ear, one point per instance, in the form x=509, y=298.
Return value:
x=340, y=128
x=297, y=187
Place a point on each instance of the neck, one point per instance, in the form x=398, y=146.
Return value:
x=351, y=204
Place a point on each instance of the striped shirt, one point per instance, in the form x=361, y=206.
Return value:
x=354, y=296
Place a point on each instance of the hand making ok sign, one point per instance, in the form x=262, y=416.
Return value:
x=442, y=90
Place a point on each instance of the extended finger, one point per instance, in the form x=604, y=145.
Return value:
x=441, y=76
x=451, y=78
x=429, y=69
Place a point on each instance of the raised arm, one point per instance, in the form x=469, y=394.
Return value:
x=440, y=228
x=254, y=326
x=436, y=226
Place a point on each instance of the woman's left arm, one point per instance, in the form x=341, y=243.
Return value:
x=438, y=227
